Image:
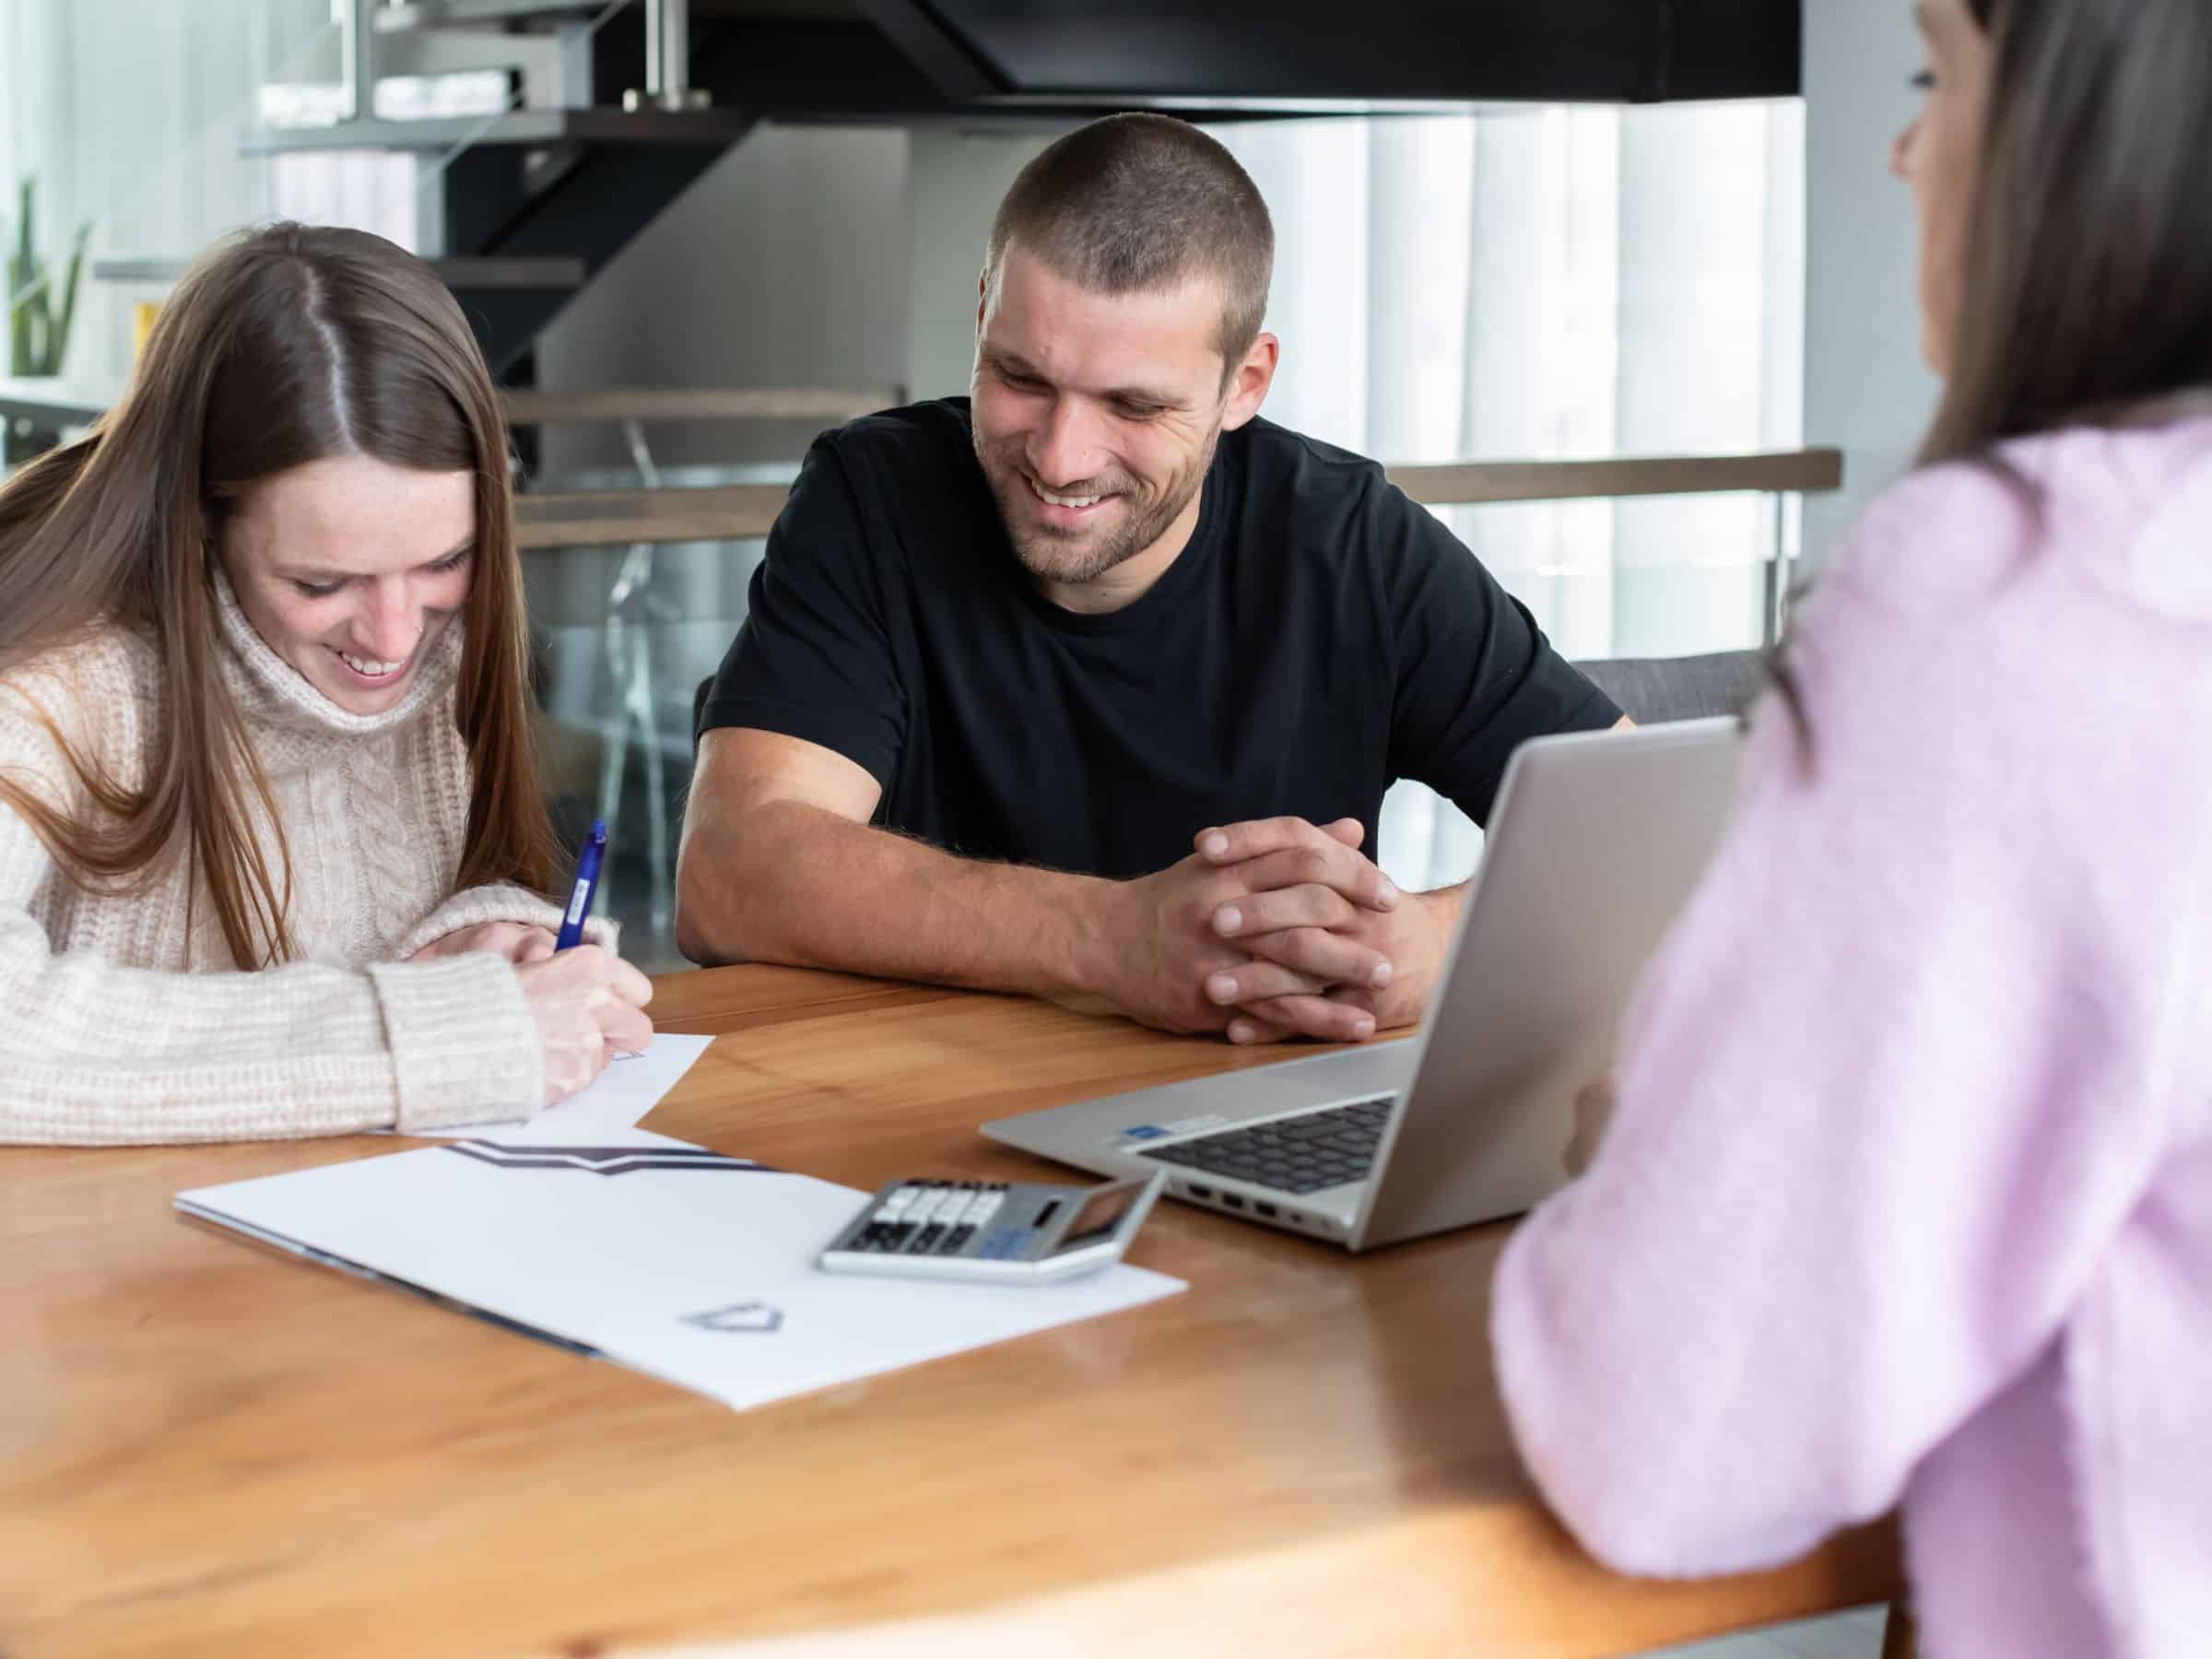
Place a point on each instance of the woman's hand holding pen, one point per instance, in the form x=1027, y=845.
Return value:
x=588, y=1003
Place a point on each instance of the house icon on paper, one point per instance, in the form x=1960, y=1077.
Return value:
x=743, y=1318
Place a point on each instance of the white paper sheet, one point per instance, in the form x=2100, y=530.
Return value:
x=677, y=1262
x=632, y=1085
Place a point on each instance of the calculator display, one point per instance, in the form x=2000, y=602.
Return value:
x=1099, y=1214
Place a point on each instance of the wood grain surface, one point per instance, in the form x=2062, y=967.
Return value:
x=208, y=1447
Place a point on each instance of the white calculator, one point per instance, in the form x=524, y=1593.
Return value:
x=995, y=1231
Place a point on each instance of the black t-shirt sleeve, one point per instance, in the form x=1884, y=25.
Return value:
x=1476, y=676
x=814, y=659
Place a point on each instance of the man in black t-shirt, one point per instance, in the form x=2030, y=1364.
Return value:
x=1090, y=687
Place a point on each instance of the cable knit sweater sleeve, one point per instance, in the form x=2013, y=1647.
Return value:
x=499, y=901
x=94, y=1052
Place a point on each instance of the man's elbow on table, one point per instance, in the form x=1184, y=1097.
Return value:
x=705, y=933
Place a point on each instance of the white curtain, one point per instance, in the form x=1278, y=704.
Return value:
x=1544, y=283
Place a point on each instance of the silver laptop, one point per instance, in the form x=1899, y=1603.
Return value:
x=1595, y=842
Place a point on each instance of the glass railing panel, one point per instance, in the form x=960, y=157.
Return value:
x=624, y=637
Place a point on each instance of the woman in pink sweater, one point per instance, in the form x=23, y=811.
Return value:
x=1907, y=1196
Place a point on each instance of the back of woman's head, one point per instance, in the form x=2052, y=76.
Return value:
x=2087, y=279
x=283, y=346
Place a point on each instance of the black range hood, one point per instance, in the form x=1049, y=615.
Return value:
x=1227, y=57
x=1383, y=50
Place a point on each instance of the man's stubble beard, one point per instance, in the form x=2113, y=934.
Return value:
x=1069, y=560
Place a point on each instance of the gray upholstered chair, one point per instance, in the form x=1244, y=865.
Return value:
x=1651, y=691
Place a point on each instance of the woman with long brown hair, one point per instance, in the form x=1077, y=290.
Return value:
x=1906, y=1200
x=272, y=840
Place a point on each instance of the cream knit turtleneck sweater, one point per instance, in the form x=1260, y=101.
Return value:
x=119, y=1022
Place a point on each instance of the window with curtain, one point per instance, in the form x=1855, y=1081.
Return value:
x=1546, y=283
x=134, y=117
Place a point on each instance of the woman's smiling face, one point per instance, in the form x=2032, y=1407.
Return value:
x=350, y=567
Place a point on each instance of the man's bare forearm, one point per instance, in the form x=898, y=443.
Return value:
x=797, y=885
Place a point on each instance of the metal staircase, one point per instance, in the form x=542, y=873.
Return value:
x=520, y=208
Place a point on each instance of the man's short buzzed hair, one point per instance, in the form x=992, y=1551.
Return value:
x=1137, y=203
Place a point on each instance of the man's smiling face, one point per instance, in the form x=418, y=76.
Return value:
x=1095, y=415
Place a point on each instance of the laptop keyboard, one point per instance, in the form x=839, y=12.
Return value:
x=1301, y=1154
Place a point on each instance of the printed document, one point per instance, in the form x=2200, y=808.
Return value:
x=686, y=1264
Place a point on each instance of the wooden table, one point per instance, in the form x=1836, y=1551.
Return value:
x=205, y=1447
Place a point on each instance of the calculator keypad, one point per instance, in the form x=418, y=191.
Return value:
x=929, y=1218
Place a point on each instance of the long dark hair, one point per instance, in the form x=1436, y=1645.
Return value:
x=2087, y=291
x=286, y=345
x=2088, y=285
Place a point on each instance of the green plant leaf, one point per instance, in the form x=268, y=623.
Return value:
x=60, y=348
x=40, y=312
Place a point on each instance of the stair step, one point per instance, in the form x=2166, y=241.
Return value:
x=599, y=124
x=740, y=512
x=404, y=17
x=51, y=401
x=537, y=406
x=600, y=518
x=512, y=275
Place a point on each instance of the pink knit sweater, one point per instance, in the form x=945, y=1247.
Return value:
x=1908, y=1196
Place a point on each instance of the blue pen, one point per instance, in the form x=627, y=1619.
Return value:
x=587, y=883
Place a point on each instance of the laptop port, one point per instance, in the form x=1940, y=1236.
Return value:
x=1259, y=1208
x=1232, y=1201
x=1195, y=1191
